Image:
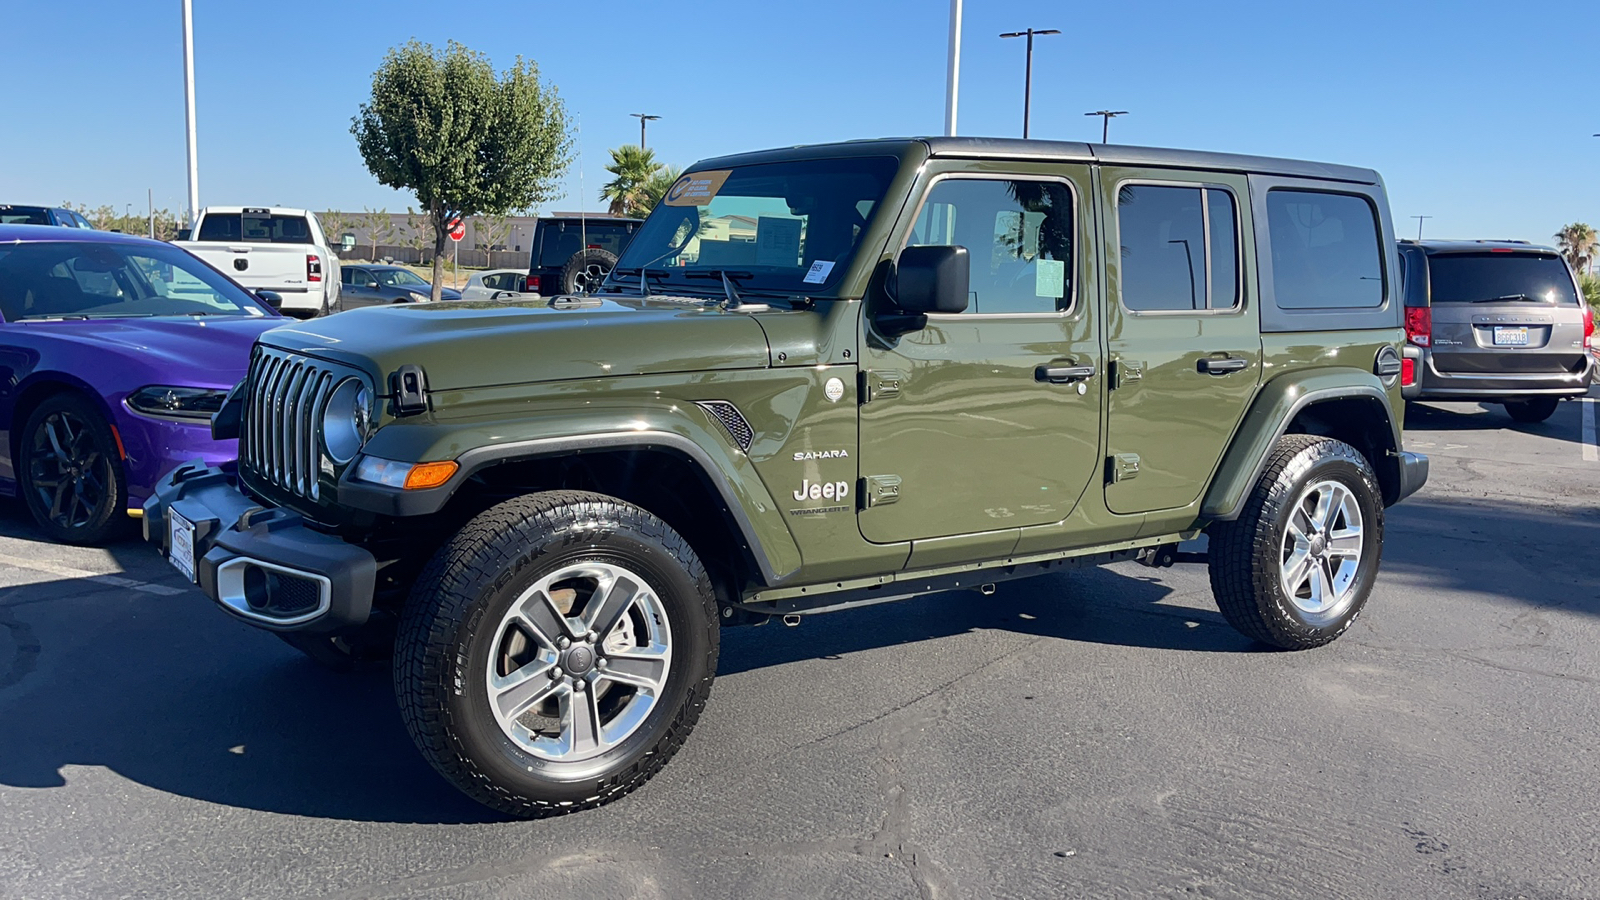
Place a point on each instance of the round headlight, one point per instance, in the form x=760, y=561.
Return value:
x=346, y=420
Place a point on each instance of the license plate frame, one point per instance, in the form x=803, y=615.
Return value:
x=180, y=545
x=1511, y=335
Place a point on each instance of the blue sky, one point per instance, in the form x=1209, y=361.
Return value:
x=1465, y=108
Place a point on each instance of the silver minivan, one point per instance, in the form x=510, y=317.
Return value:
x=1496, y=321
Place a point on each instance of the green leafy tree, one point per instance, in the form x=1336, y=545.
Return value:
x=656, y=188
x=378, y=226
x=1591, y=289
x=490, y=230
x=334, y=225
x=464, y=140
x=1577, y=242
x=632, y=169
x=419, y=233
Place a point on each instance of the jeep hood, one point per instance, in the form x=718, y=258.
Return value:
x=480, y=343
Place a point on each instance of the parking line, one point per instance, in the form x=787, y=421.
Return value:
x=1591, y=451
x=47, y=568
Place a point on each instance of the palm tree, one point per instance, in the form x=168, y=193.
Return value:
x=633, y=167
x=656, y=188
x=1578, y=244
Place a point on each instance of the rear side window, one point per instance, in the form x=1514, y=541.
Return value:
x=24, y=215
x=253, y=227
x=1179, y=248
x=1325, y=250
x=1508, y=277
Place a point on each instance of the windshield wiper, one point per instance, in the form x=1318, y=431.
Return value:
x=1507, y=298
x=644, y=276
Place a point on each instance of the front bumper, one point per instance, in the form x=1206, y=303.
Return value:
x=260, y=564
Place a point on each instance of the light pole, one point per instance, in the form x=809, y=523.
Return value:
x=1419, y=225
x=1027, y=85
x=1108, y=115
x=952, y=82
x=642, y=120
x=188, y=105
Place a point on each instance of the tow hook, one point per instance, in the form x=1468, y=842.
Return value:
x=791, y=620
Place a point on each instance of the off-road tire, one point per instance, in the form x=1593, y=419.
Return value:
x=448, y=621
x=586, y=269
x=108, y=519
x=1245, y=555
x=1530, y=411
x=367, y=648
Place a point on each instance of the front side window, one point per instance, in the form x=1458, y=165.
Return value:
x=1178, y=248
x=72, y=280
x=1325, y=250
x=399, y=278
x=1019, y=237
x=786, y=228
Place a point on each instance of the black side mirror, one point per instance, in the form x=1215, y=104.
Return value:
x=271, y=298
x=933, y=279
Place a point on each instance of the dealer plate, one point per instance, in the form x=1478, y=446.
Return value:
x=1510, y=336
x=180, y=546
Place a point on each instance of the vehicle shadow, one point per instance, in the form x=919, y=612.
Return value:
x=1565, y=424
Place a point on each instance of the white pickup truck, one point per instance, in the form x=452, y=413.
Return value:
x=271, y=249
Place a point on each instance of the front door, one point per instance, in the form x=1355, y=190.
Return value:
x=989, y=419
x=1181, y=330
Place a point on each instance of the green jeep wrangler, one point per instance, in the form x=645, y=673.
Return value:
x=819, y=378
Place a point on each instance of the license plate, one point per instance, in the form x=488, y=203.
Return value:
x=1508, y=336
x=180, y=546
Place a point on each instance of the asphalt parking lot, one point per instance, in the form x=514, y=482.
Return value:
x=1092, y=734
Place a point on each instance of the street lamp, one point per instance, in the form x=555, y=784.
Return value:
x=642, y=120
x=1027, y=85
x=1419, y=224
x=1108, y=115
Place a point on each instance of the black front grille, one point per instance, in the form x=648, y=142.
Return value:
x=731, y=419
x=279, y=440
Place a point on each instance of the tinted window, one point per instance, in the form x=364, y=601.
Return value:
x=57, y=279
x=562, y=240
x=255, y=228
x=1019, y=236
x=1165, y=264
x=1324, y=250
x=24, y=215
x=1474, y=277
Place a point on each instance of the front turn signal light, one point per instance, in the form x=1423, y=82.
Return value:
x=429, y=475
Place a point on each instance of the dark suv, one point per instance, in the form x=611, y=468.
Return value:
x=41, y=215
x=574, y=254
x=1497, y=321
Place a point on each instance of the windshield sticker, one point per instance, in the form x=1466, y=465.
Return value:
x=1049, y=278
x=819, y=272
x=697, y=188
x=777, y=241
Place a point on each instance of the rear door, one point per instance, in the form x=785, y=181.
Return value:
x=1504, y=312
x=1181, y=327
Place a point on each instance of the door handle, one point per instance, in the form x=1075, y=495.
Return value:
x=1213, y=366
x=1063, y=374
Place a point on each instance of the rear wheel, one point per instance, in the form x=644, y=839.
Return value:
x=1536, y=409
x=556, y=652
x=1295, y=569
x=71, y=472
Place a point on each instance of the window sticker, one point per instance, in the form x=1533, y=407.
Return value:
x=819, y=272
x=777, y=241
x=697, y=188
x=1049, y=278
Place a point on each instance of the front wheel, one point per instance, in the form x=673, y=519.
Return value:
x=556, y=652
x=1295, y=569
x=71, y=472
x=1535, y=410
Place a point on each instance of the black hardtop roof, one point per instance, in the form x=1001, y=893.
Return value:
x=1062, y=151
x=597, y=218
x=1446, y=245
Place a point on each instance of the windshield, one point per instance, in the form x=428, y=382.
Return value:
x=1475, y=277
x=93, y=280
x=399, y=278
x=559, y=240
x=254, y=227
x=786, y=228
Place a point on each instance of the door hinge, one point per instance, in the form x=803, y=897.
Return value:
x=880, y=490
x=880, y=384
x=1122, y=467
x=1125, y=372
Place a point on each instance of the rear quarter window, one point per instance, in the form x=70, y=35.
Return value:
x=1325, y=251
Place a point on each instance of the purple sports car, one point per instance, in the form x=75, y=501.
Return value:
x=114, y=352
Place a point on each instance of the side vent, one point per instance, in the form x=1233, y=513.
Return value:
x=731, y=419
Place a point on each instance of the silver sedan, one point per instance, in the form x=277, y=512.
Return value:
x=494, y=284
